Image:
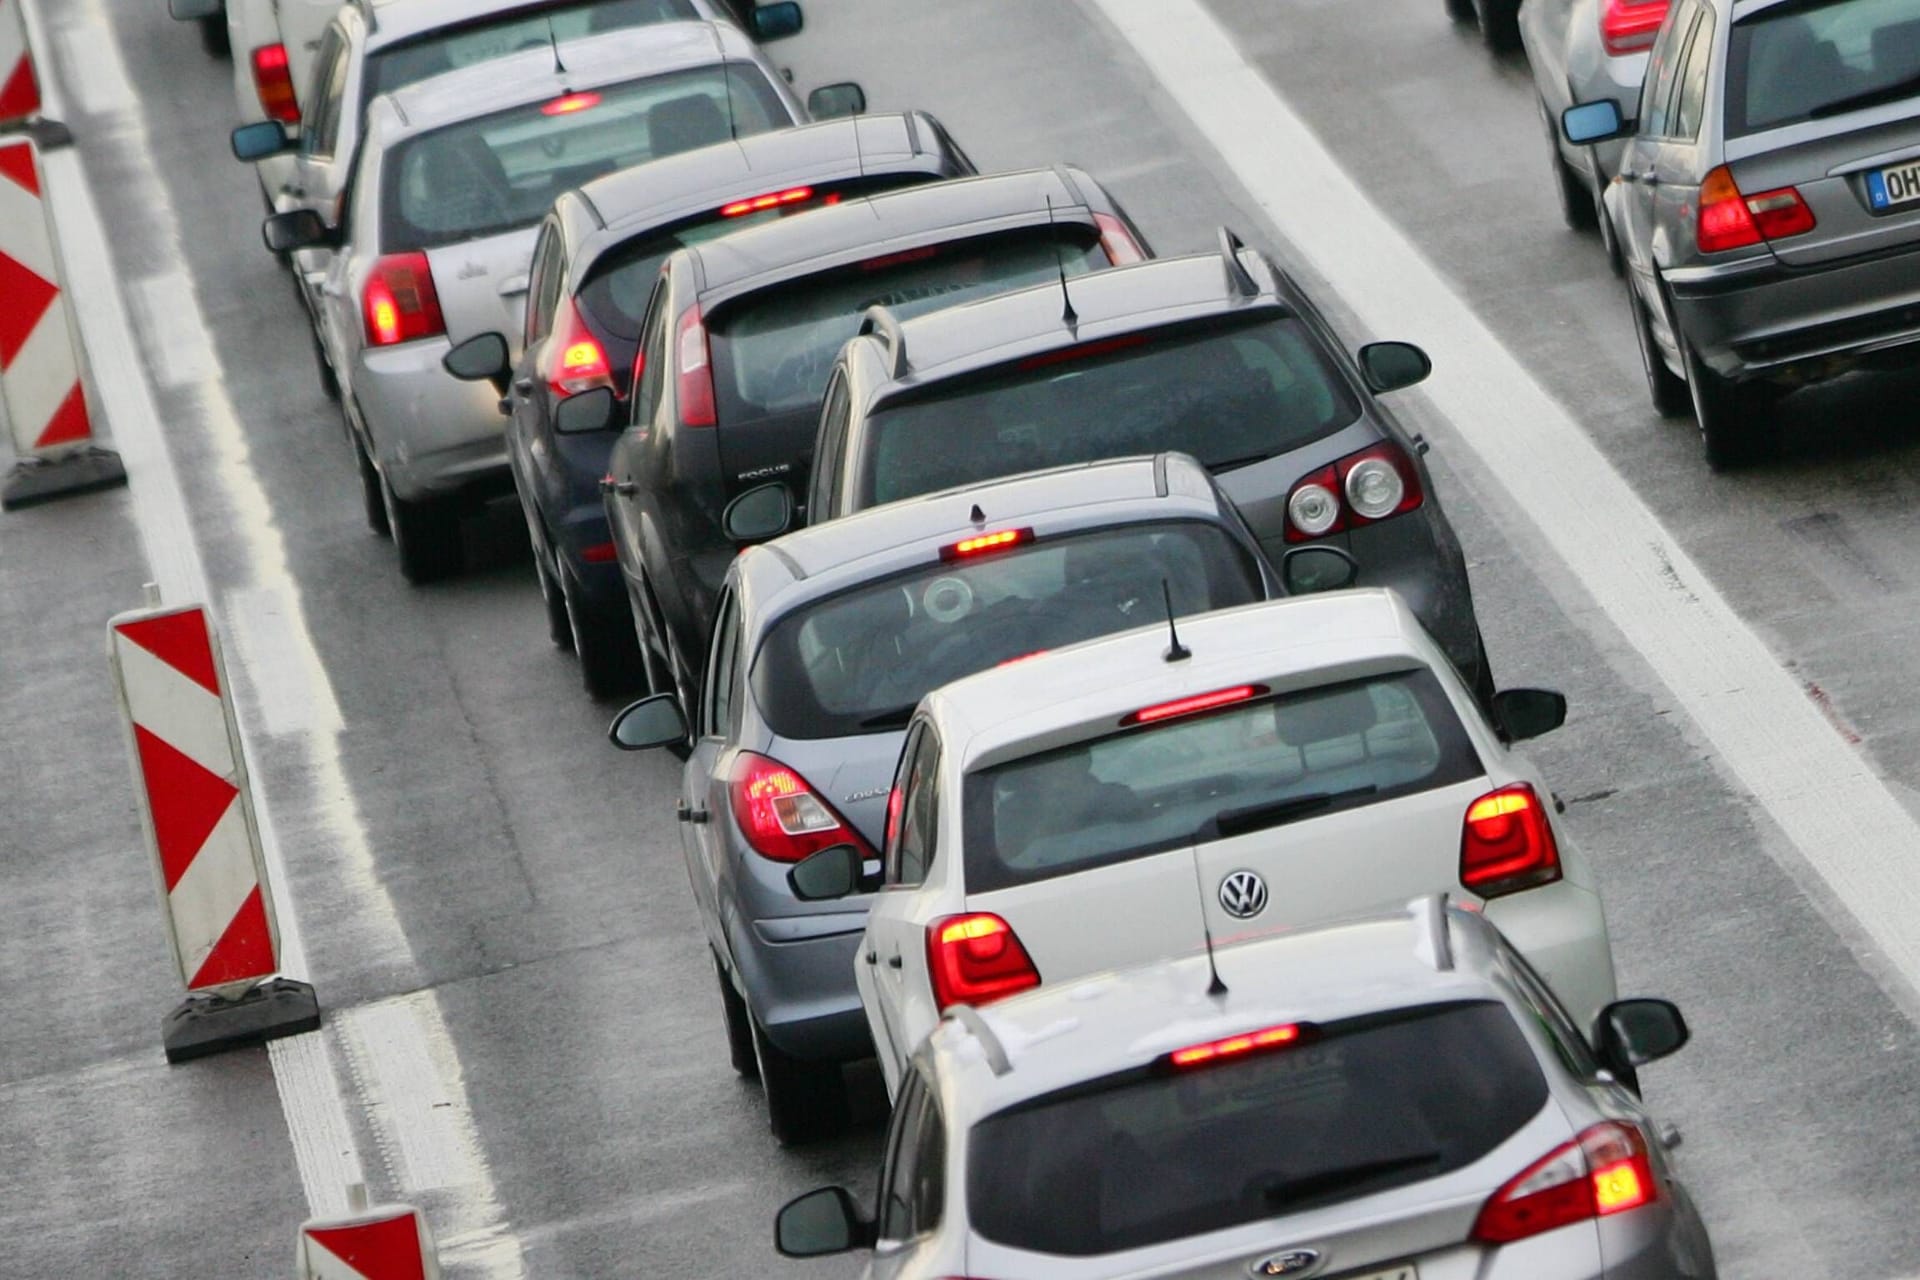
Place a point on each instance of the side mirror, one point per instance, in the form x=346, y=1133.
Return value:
x=1590, y=122
x=1632, y=1033
x=194, y=10
x=776, y=21
x=589, y=411
x=298, y=229
x=1389, y=366
x=1305, y=570
x=759, y=514
x=650, y=722
x=831, y=101
x=819, y=1223
x=259, y=140
x=1520, y=714
x=827, y=874
x=481, y=358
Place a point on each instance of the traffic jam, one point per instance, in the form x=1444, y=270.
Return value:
x=750, y=659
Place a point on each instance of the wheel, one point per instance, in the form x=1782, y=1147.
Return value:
x=1577, y=204
x=739, y=1025
x=213, y=36
x=1735, y=426
x=609, y=653
x=1609, y=238
x=1500, y=24
x=1668, y=393
x=1482, y=676
x=329, y=383
x=426, y=535
x=558, y=629
x=1460, y=10
x=655, y=667
x=371, y=494
x=806, y=1101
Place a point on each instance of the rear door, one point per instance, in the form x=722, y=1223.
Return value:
x=702, y=809
x=1639, y=164
x=319, y=165
x=892, y=963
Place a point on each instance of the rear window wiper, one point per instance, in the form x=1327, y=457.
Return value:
x=1254, y=817
x=1286, y=1191
x=1246, y=461
x=1871, y=98
x=896, y=718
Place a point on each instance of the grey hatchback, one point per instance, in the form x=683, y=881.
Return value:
x=1768, y=204
x=824, y=643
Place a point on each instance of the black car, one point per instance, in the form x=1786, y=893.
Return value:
x=594, y=267
x=739, y=337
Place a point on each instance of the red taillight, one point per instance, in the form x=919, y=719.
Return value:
x=1198, y=1055
x=886, y=260
x=972, y=959
x=1360, y=489
x=780, y=815
x=696, y=371
x=575, y=360
x=981, y=544
x=1122, y=249
x=1085, y=351
x=772, y=200
x=1603, y=1171
x=400, y=301
x=1730, y=220
x=600, y=553
x=571, y=103
x=1506, y=843
x=273, y=81
x=1193, y=706
x=1629, y=26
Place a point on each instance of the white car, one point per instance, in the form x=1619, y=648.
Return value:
x=1133, y=797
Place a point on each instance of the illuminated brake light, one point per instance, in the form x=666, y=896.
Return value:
x=600, y=553
x=1731, y=220
x=781, y=816
x=1604, y=1171
x=273, y=81
x=973, y=959
x=999, y=540
x=1629, y=26
x=1085, y=351
x=695, y=371
x=1362, y=488
x=1194, y=705
x=571, y=103
x=772, y=200
x=400, y=303
x=575, y=360
x=886, y=260
x=1507, y=844
x=1234, y=1046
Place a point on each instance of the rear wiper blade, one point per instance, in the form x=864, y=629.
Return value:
x=896, y=718
x=1288, y=1190
x=1871, y=98
x=1246, y=461
x=1253, y=817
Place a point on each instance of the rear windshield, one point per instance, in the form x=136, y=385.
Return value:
x=1250, y=766
x=1228, y=396
x=860, y=662
x=1796, y=62
x=1152, y=1156
x=501, y=172
x=772, y=352
x=470, y=43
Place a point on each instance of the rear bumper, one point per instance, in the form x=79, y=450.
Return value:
x=431, y=434
x=796, y=974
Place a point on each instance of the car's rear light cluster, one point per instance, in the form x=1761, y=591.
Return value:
x=400, y=302
x=1201, y=1055
x=1604, y=1171
x=1507, y=844
x=695, y=369
x=575, y=360
x=273, y=82
x=1732, y=220
x=1360, y=489
x=780, y=815
x=571, y=103
x=1121, y=248
x=771, y=200
x=1192, y=706
x=986, y=543
x=1084, y=351
x=976, y=958
x=1629, y=26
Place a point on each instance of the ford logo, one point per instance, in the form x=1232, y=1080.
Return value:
x=1294, y=1262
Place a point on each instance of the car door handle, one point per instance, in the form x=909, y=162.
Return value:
x=333, y=290
x=895, y=962
x=625, y=488
x=686, y=814
x=1670, y=1136
x=517, y=284
x=873, y=957
x=524, y=386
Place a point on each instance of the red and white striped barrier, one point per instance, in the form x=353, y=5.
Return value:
x=19, y=87
x=391, y=1242
x=197, y=809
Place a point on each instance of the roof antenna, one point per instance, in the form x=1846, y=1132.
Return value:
x=553, y=42
x=1215, y=987
x=1177, y=652
x=1068, y=316
x=726, y=80
x=978, y=516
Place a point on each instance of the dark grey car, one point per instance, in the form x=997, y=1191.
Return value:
x=824, y=643
x=1768, y=204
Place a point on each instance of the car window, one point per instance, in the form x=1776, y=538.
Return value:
x=1570, y=1044
x=652, y=356
x=1693, y=80
x=1158, y=1154
x=1229, y=395
x=502, y=171
x=860, y=661
x=1172, y=782
x=328, y=87
x=717, y=719
x=913, y=1178
x=1796, y=62
x=544, y=283
x=912, y=839
x=832, y=439
x=1657, y=89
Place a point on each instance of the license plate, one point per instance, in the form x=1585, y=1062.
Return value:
x=1895, y=185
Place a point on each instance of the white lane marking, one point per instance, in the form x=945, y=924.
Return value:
x=179, y=348
x=293, y=697
x=1821, y=792
x=90, y=59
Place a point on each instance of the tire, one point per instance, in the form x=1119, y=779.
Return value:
x=1577, y=204
x=1609, y=238
x=372, y=494
x=1500, y=24
x=1668, y=393
x=1460, y=10
x=426, y=536
x=1482, y=678
x=608, y=651
x=806, y=1101
x=329, y=382
x=1736, y=427
x=739, y=1024
x=213, y=36
x=558, y=629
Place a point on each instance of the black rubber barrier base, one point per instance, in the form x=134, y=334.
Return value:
x=33, y=482
x=207, y=1024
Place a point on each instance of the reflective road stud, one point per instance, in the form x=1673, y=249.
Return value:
x=390, y=1242
x=198, y=814
x=19, y=90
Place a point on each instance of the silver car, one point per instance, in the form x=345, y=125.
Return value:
x=1397, y=1098
x=824, y=643
x=453, y=178
x=1768, y=204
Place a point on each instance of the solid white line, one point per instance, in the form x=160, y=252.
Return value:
x=179, y=348
x=1821, y=791
x=90, y=58
x=260, y=621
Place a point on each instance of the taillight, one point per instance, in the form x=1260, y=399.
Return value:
x=1192, y=706
x=1730, y=220
x=771, y=200
x=1085, y=351
x=273, y=81
x=696, y=371
x=780, y=815
x=599, y=553
x=1603, y=1171
x=1360, y=489
x=571, y=103
x=575, y=360
x=1121, y=248
x=400, y=301
x=973, y=959
x=985, y=543
x=1200, y=1055
x=1629, y=26
x=1506, y=843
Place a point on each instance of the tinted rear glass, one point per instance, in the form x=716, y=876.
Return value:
x=1250, y=766
x=471, y=43
x=1151, y=1156
x=773, y=351
x=502, y=171
x=1800, y=62
x=1227, y=396
x=860, y=661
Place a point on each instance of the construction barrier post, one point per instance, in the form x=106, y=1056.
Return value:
x=388, y=1242
x=197, y=810
x=19, y=86
x=42, y=378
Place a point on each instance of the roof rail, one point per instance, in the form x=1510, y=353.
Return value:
x=1430, y=915
x=969, y=1017
x=883, y=322
x=1240, y=281
x=366, y=11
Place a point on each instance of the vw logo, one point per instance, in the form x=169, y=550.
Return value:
x=1244, y=895
x=1293, y=1262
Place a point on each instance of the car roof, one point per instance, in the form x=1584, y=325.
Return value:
x=1063, y=1034
x=398, y=20
x=1297, y=642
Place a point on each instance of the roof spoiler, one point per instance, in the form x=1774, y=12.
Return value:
x=883, y=322
x=1240, y=281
